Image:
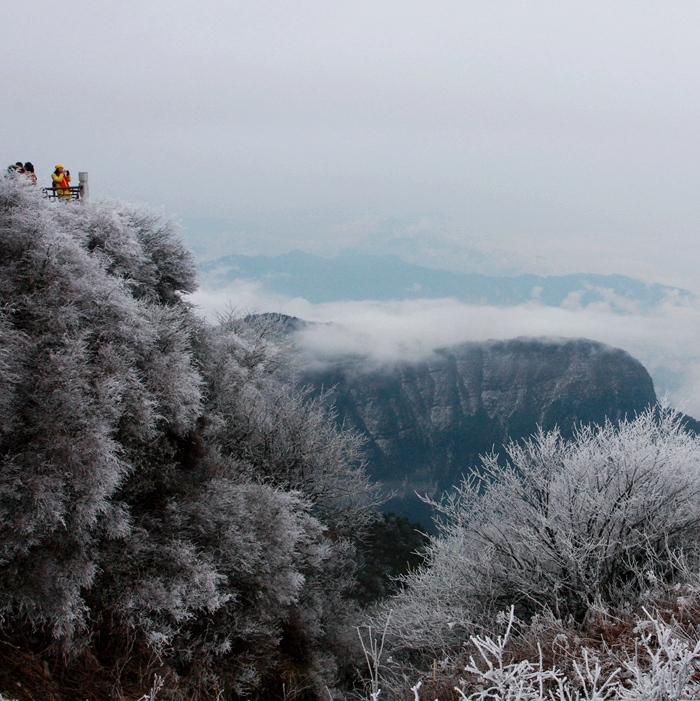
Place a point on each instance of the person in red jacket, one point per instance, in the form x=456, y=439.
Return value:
x=61, y=182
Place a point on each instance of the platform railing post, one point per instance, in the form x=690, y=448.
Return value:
x=85, y=191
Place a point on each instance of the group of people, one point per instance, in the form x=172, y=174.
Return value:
x=27, y=170
x=60, y=178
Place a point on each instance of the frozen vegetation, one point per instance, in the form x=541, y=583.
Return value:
x=169, y=503
x=565, y=571
x=178, y=521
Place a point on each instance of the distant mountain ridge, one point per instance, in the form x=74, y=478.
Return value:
x=353, y=276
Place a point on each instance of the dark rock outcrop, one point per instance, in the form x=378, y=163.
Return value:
x=427, y=422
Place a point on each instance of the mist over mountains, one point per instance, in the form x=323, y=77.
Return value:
x=355, y=277
x=393, y=309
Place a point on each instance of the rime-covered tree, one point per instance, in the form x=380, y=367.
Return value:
x=559, y=526
x=162, y=484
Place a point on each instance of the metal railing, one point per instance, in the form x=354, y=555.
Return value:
x=63, y=193
x=79, y=192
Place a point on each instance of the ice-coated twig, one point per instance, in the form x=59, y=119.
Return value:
x=373, y=650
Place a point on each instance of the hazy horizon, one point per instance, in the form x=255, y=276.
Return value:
x=544, y=138
x=487, y=136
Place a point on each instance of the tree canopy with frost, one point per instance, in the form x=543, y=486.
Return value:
x=162, y=484
x=559, y=526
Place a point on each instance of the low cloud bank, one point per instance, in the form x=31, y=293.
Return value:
x=666, y=340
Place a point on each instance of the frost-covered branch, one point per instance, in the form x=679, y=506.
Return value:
x=558, y=525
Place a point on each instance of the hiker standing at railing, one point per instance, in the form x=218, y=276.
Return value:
x=61, y=182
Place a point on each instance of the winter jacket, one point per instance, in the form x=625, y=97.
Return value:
x=61, y=184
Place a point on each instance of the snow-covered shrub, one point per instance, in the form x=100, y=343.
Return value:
x=558, y=525
x=259, y=427
x=648, y=651
x=662, y=665
x=659, y=662
x=161, y=483
x=275, y=426
x=82, y=382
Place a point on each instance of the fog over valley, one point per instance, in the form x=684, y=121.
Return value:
x=665, y=339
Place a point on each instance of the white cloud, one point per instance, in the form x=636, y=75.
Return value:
x=666, y=341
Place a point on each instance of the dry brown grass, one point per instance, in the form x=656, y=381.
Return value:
x=609, y=638
x=123, y=673
x=30, y=676
x=25, y=677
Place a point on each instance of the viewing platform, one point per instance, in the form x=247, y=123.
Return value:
x=79, y=192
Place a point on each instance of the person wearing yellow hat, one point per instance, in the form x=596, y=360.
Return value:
x=61, y=182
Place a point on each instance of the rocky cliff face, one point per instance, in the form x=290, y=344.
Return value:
x=428, y=421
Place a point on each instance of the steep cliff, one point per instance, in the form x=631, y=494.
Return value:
x=428, y=421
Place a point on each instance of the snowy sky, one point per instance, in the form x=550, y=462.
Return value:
x=562, y=133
